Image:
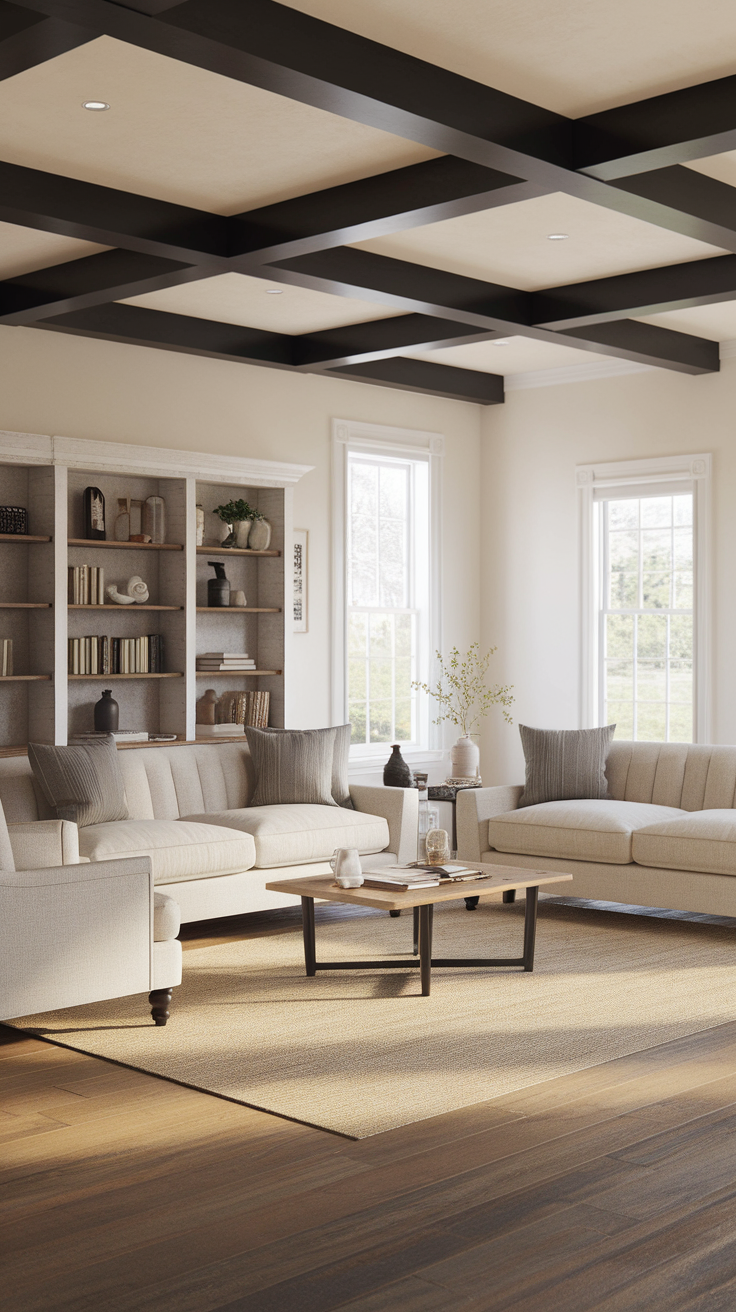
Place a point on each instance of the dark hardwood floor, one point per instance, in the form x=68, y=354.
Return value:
x=613, y=1189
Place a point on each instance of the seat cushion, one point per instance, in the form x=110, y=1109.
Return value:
x=166, y=917
x=704, y=841
x=582, y=830
x=178, y=851
x=298, y=834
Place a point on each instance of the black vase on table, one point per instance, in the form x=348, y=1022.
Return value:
x=107, y=713
x=396, y=773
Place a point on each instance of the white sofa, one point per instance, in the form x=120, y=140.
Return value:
x=73, y=933
x=210, y=850
x=664, y=837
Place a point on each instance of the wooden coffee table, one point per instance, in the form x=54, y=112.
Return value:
x=422, y=900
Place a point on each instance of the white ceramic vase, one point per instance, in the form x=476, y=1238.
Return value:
x=260, y=535
x=242, y=531
x=465, y=758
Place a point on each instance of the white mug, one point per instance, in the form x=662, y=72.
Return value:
x=346, y=864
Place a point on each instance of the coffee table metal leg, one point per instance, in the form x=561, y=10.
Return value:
x=530, y=927
x=425, y=947
x=416, y=931
x=310, y=956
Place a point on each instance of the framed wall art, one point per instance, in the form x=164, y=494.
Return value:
x=299, y=590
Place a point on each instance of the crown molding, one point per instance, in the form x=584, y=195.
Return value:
x=576, y=373
x=160, y=462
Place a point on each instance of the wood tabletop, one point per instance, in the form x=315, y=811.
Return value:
x=390, y=899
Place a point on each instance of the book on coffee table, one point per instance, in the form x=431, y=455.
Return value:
x=418, y=876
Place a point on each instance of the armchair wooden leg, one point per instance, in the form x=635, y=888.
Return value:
x=159, y=1000
x=394, y=914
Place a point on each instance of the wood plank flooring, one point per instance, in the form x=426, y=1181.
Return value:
x=612, y=1189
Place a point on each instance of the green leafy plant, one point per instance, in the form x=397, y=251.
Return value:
x=235, y=511
x=461, y=693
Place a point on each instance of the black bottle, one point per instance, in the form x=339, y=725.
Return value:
x=218, y=588
x=94, y=514
x=396, y=772
x=107, y=713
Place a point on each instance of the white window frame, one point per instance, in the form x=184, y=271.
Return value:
x=378, y=439
x=668, y=474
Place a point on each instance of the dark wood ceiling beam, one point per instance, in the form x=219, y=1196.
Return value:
x=93, y=280
x=658, y=132
x=650, y=291
x=378, y=339
x=429, y=379
x=53, y=203
x=697, y=205
x=28, y=38
x=649, y=344
x=409, y=197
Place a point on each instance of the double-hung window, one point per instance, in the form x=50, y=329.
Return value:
x=646, y=617
x=387, y=613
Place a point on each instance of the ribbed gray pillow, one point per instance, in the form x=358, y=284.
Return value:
x=563, y=764
x=292, y=766
x=340, y=758
x=83, y=784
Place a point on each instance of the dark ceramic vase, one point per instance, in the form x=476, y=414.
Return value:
x=107, y=713
x=396, y=773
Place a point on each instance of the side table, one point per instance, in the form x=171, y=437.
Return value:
x=448, y=793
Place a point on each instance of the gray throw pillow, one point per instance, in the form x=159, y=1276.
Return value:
x=83, y=784
x=340, y=758
x=562, y=764
x=7, y=860
x=294, y=765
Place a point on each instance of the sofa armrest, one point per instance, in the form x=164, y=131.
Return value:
x=400, y=807
x=73, y=934
x=474, y=808
x=39, y=843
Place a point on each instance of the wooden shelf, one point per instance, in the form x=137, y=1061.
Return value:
x=21, y=750
x=118, y=676
x=233, y=674
x=120, y=546
x=25, y=605
x=130, y=610
x=24, y=678
x=21, y=537
x=241, y=610
x=234, y=551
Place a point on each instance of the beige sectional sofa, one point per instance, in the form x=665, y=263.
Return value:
x=664, y=837
x=210, y=850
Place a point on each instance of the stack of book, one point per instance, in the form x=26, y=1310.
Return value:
x=6, y=667
x=86, y=585
x=120, y=736
x=98, y=654
x=249, y=708
x=417, y=875
x=224, y=661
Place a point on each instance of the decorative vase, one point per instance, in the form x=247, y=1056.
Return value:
x=260, y=535
x=200, y=526
x=122, y=520
x=154, y=518
x=465, y=758
x=396, y=773
x=218, y=588
x=107, y=713
x=242, y=530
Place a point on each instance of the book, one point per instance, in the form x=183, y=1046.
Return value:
x=224, y=656
x=7, y=657
x=418, y=876
x=381, y=879
x=220, y=730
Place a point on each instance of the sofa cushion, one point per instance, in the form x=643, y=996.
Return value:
x=296, y=835
x=178, y=851
x=564, y=763
x=166, y=917
x=582, y=830
x=704, y=841
x=83, y=783
x=340, y=736
x=7, y=860
x=293, y=767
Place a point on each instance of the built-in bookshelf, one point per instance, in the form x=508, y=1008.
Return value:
x=47, y=476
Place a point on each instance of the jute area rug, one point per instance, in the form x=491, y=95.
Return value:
x=363, y=1052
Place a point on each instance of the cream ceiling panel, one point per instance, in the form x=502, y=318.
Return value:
x=180, y=133
x=25, y=249
x=573, y=56
x=722, y=167
x=251, y=302
x=511, y=244
x=715, y=321
x=517, y=355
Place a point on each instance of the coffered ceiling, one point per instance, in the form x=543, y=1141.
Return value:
x=377, y=189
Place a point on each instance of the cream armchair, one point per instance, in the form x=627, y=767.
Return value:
x=74, y=932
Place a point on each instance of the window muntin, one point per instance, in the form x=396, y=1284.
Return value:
x=646, y=638
x=387, y=596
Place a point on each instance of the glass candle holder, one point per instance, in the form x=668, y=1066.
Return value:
x=438, y=847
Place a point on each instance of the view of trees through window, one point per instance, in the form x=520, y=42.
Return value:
x=386, y=521
x=646, y=634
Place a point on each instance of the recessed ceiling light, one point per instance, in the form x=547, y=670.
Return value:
x=557, y=236
x=95, y=104
x=500, y=341
x=274, y=291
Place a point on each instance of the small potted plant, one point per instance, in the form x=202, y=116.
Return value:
x=463, y=698
x=238, y=516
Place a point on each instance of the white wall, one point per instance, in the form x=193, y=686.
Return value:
x=529, y=582
x=78, y=387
